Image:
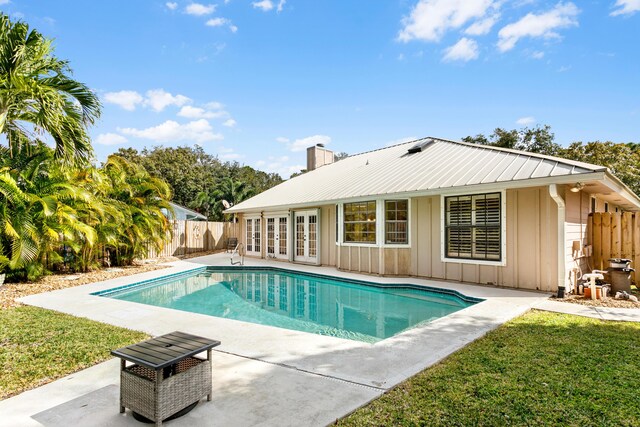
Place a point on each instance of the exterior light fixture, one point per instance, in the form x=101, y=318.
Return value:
x=577, y=187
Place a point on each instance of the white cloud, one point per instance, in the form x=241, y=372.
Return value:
x=265, y=5
x=483, y=26
x=199, y=9
x=4, y=2
x=431, y=19
x=197, y=113
x=217, y=22
x=544, y=25
x=282, y=139
x=626, y=7
x=127, y=99
x=281, y=4
x=279, y=165
x=171, y=5
x=564, y=68
x=537, y=54
x=526, y=121
x=225, y=153
x=287, y=171
x=110, y=139
x=172, y=131
x=304, y=143
x=401, y=57
x=214, y=105
x=465, y=50
x=230, y=123
x=158, y=99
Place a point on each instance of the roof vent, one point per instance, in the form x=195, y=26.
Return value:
x=421, y=145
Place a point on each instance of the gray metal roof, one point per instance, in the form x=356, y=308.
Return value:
x=442, y=164
x=182, y=213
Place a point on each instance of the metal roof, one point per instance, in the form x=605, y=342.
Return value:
x=440, y=165
x=182, y=213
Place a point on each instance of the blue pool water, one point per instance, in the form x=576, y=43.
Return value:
x=324, y=305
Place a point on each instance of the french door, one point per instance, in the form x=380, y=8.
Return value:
x=254, y=236
x=277, y=234
x=306, y=236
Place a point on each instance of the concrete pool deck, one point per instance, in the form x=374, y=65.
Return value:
x=262, y=375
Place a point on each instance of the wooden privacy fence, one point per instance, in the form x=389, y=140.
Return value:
x=196, y=236
x=614, y=235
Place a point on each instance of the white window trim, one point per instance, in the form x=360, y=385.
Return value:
x=503, y=231
x=380, y=225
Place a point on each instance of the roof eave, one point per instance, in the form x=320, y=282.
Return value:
x=615, y=184
x=476, y=188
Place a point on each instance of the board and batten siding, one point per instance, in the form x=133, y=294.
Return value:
x=531, y=246
x=531, y=243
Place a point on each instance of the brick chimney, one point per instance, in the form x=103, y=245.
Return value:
x=318, y=156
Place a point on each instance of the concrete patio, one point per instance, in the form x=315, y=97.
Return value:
x=262, y=375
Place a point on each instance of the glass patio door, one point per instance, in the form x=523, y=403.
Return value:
x=254, y=234
x=277, y=232
x=306, y=236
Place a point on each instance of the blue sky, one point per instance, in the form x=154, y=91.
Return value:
x=258, y=81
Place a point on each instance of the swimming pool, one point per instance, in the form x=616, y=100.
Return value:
x=325, y=305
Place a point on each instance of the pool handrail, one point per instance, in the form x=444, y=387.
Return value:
x=236, y=250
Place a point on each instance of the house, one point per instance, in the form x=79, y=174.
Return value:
x=436, y=208
x=182, y=213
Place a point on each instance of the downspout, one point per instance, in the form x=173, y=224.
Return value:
x=562, y=260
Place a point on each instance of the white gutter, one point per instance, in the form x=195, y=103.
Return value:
x=553, y=192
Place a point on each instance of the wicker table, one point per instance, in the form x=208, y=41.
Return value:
x=165, y=377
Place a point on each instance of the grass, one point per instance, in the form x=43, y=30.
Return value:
x=539, y=369
x=38, y=346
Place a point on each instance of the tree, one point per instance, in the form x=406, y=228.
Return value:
x=537, y=140
x=37, y=95
x=39, y=208
x=622, y=159
x=196, y=177
x=143, y=199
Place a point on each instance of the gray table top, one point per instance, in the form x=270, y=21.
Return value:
x=165, y=350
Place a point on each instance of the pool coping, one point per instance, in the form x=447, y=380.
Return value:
x=145, y=284
x=376, y=367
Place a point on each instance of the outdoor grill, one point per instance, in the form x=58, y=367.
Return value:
x=620, y=274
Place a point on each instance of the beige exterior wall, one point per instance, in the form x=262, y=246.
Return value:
x=531, y=242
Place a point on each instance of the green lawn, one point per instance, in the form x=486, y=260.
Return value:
x=38, y=346
x=540, y=369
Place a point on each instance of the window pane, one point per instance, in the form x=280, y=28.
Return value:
x=359, y=222
x=473, y=227
x=396, y=221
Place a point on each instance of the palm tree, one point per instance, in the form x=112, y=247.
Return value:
x=37, y=96
x=143, y=200
x=40, y=207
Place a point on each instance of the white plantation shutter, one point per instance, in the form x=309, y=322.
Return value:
x=473, y=226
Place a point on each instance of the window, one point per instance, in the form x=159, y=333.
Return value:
x=593, y=204
x=473, y=228
x=360, y=222
x=606, y=207
x=395, y=221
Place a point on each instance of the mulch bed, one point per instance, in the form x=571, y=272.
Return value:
x=9, y=292
x=608, y=302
